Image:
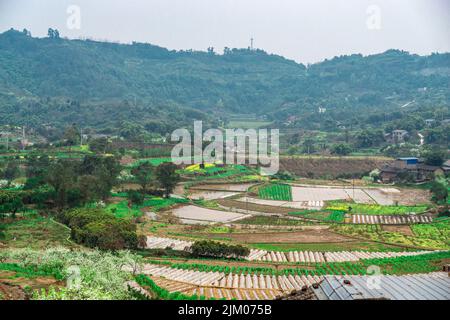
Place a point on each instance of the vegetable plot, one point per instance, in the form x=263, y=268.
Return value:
x=276, y=191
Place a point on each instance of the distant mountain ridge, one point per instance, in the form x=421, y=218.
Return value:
x=43, y=75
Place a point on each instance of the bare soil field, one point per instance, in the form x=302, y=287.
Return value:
x=411, y=196
x=406, y=230
x=381, y=195
x=191, y=214
x=306, y=236
x=9, y=292
x=179, y=189
x=237, y=187
x=276, y=203
x=253, y=206
x=330, y=167
x=211, y=195
x=12, y=288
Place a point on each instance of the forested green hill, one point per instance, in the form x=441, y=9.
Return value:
x=105, y=84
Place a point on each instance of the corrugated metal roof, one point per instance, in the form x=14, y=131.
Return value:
x=431, y=286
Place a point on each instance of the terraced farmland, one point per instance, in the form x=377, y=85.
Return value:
x=259, y=283
x=220, y=285
x=290, y=256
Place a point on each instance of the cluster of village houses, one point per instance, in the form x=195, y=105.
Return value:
x=413, y=168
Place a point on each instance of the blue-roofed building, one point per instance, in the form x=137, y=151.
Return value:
x=408, y=161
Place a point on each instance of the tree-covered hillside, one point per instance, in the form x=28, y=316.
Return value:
x=105, y=84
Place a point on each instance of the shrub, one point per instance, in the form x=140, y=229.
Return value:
x=135, y=197
x=98, y=228
x=217, y=249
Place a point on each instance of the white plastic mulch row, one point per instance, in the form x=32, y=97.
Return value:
x=163, y=243
x=383, y=219
x=293, y=256
x=318, y=257
x=256, y=254
x=190, y=276
x=238, y=281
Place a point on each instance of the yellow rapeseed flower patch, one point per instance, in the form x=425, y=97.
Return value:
x=196, y=167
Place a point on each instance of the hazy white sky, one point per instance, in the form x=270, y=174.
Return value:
x=306, y=31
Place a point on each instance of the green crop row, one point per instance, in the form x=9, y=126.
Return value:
x=430, y=236
x=55, y=271
x=121, y=209
x=374, y=209
x=276, y=191
x=323, y=215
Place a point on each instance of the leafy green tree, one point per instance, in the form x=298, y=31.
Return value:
x=71, y=136
x=10, y=202
x=26, y=32
x=167, y=177
x=36, y=171
x=100, y=145
x=292, y=150
x=368, y=138
x=439, y=135
x=439, y=192
x=53, y=33
x=308, y=146
x=62, y=177
x=143, y=174
x=294, y=139
x=434, y=157
x=11, y=171
x=89, y=190
x=39, y=196
x=135, y=197
x=130, y=130
x=341, y=149
x=106, y=169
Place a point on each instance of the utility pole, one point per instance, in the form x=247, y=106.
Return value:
x=23, y=138
x=251, y=43
x=81, y=137
x=353, y=184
